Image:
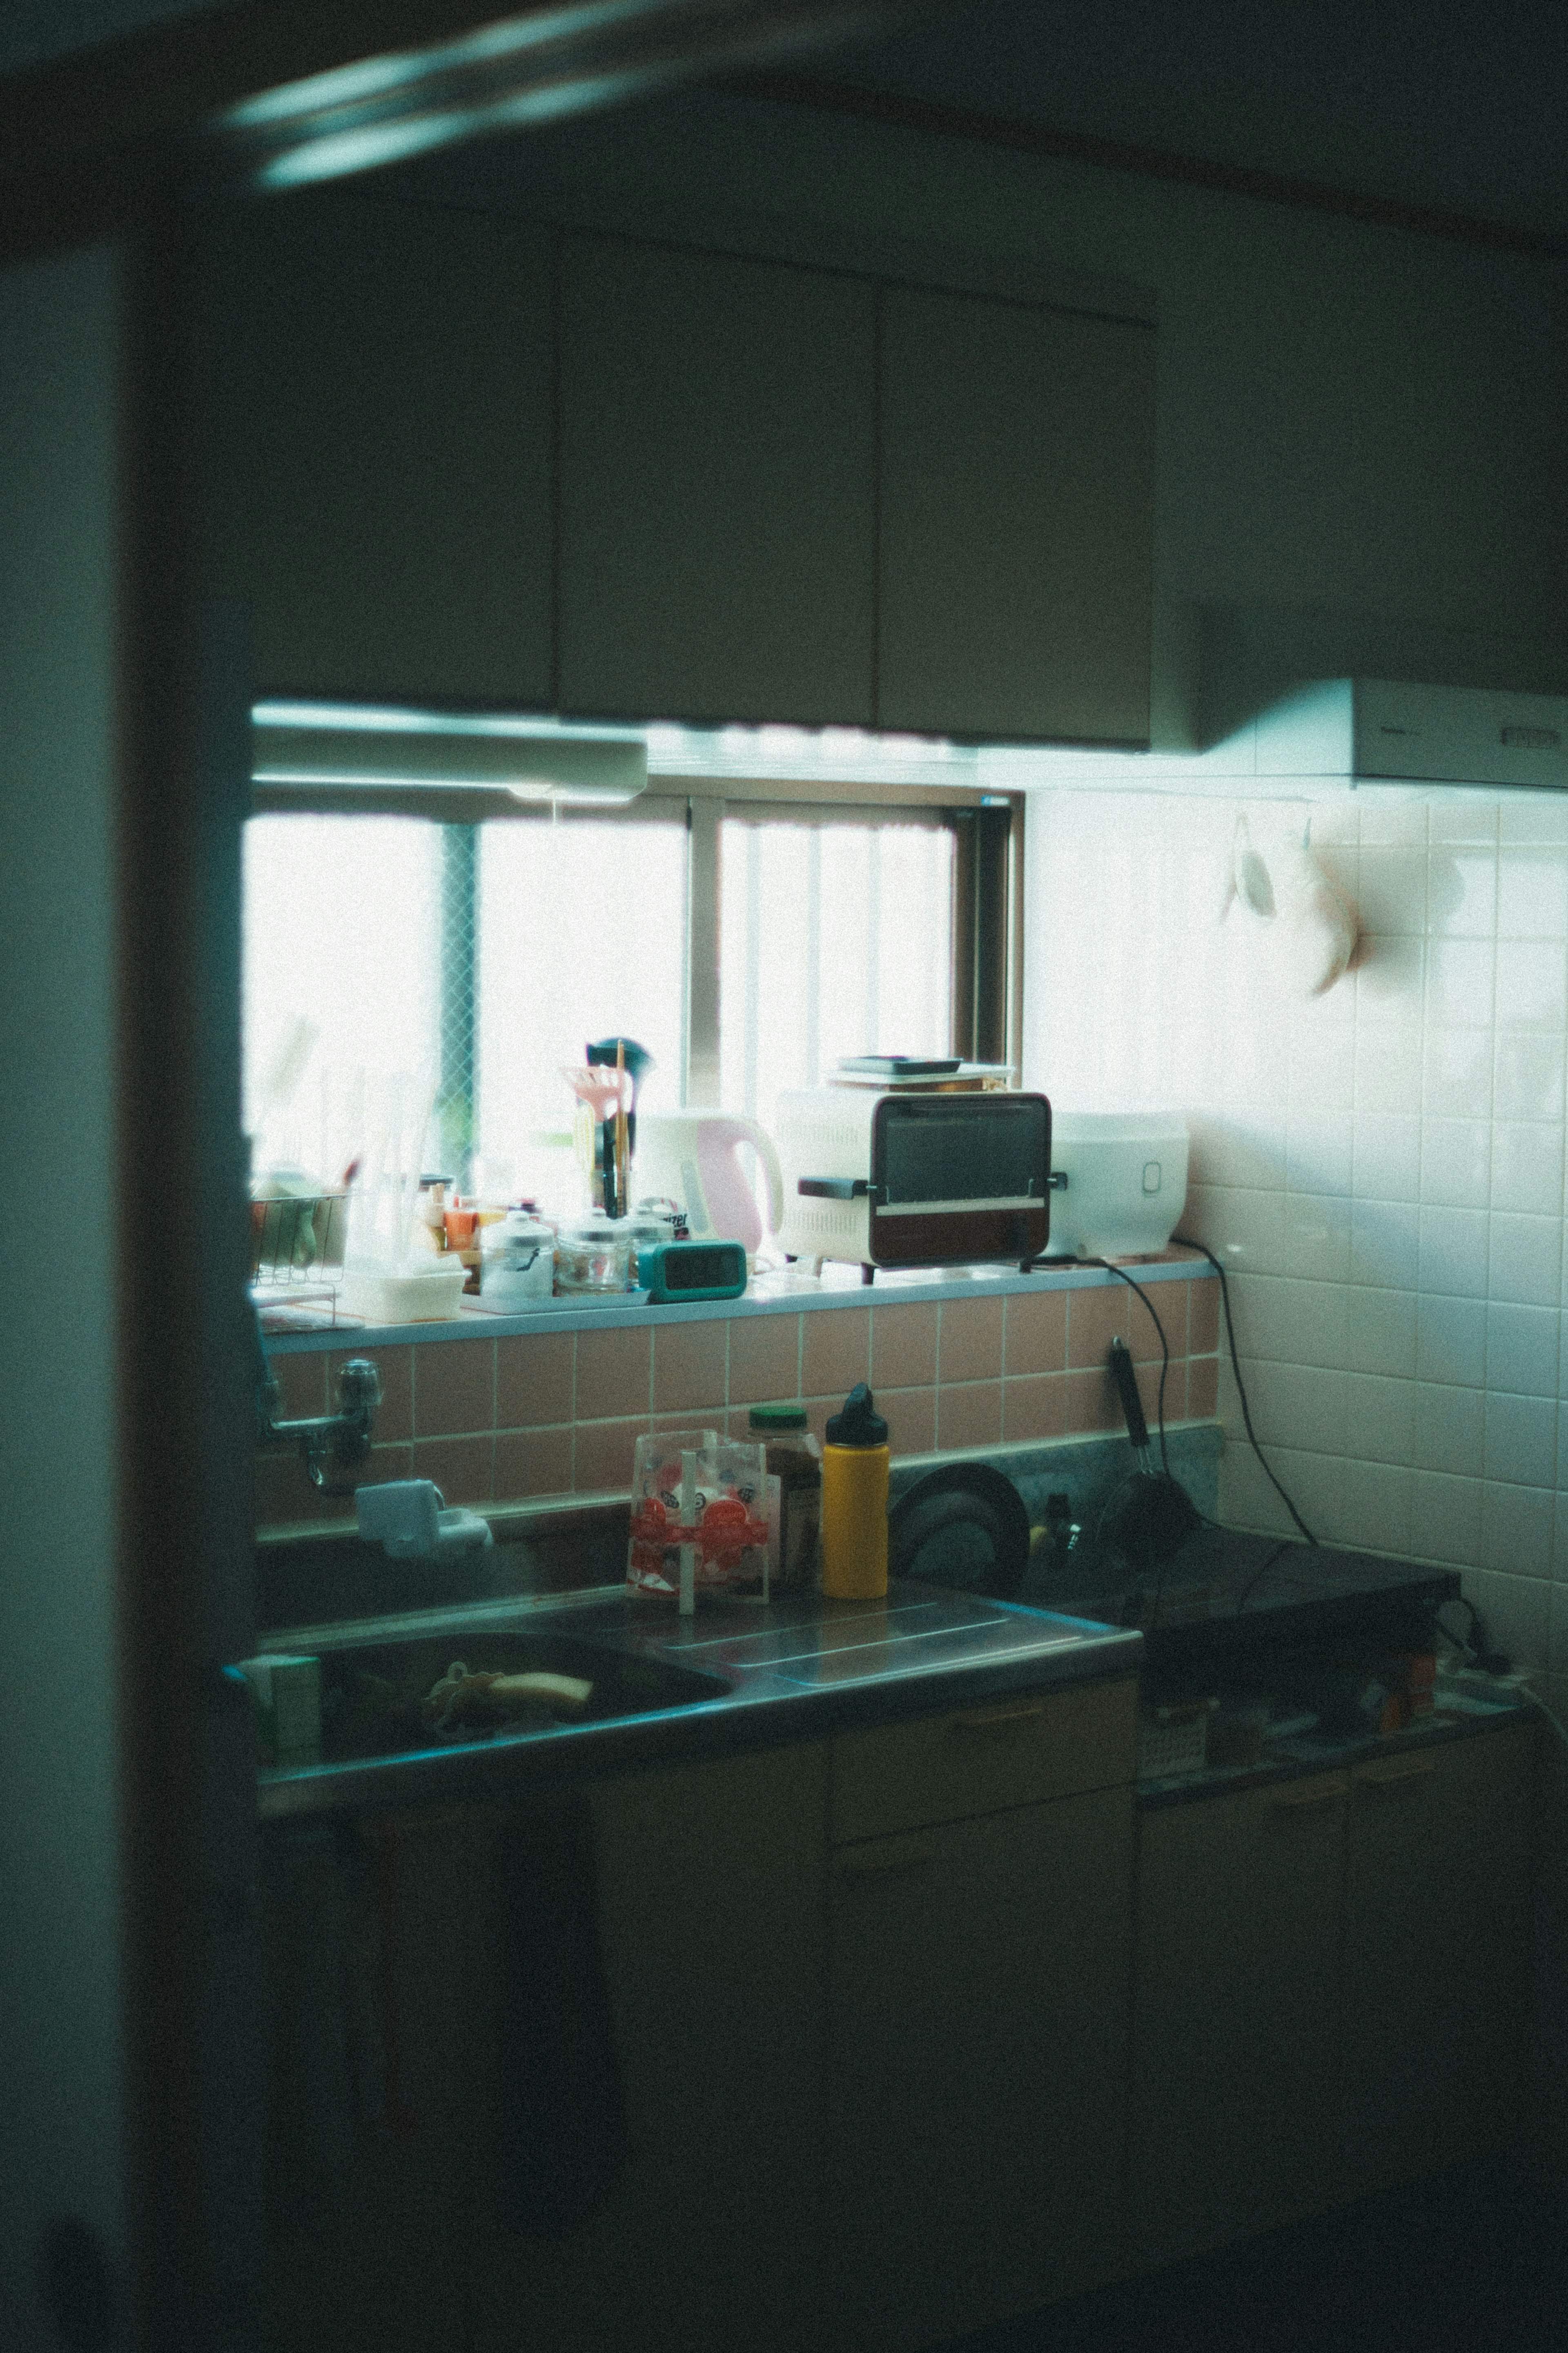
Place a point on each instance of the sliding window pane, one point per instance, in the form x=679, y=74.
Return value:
x=341, y=934
x=836, y=939
x=582, y=935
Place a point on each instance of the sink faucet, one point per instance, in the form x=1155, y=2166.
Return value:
x=344, y=1436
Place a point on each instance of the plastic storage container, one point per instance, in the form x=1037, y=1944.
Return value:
x=854, y=1467
x=517, y=1262
x=793, y=1460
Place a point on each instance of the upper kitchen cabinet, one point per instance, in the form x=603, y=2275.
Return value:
x=382, y=495
x=1017, y=527
x=716, y=483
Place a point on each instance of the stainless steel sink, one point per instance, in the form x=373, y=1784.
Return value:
x=372, y=1692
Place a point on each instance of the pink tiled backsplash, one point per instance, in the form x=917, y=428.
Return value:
x=1381, y=1167
x=502, y=1421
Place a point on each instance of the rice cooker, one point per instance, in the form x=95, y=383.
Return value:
x=1126, y=1182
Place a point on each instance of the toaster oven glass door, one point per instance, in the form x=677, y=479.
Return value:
x=958, y=1177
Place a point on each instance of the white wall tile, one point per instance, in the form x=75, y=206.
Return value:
x=1527, y=1166
x=1385, y=822
x=1388, y=976
x=1314, y=1237
x=1386, y=1156
x=1368, y=1506
x=1527, y=1075
x=1318, y=1152
x=1517, y=1611
x=1240, y=1224
x=1454, y=1251
x=1387, y=1072
x=1461, y=816
x=1525, y=1260
x=1456, y=1073
x=1532, y=895
x=1390, y=887
x=1521, y=1441
x=1461, y=895
x=1444, y=1517
x=1297, y=1322
x=1448, y=1429
x=1459, y=978
x=1380, y=1416
x=1323, y=1073
x=1385, y=1244
x=1247, y=1500
x=1455, y=1162
x=1380, y=1332
x=1296, y=1405
x=1522, y=1350
x=1557, y=1623
x=1533, y=817
x=1517, y=1529
x=1531, y=990
x=1451, y=1341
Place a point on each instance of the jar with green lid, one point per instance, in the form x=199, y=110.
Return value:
x=793, y=1460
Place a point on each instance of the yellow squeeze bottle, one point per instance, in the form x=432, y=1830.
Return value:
x=855, y=1501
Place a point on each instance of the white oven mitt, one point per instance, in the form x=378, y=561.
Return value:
x=1312, y=931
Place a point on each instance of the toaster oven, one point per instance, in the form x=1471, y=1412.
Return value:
x=899, y=1177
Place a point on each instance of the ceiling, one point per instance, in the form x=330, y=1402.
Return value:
x=1460, y=109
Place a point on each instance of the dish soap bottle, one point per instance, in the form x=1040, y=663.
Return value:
x=855, y=1465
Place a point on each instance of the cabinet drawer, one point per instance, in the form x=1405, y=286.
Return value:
x=1012, y=1750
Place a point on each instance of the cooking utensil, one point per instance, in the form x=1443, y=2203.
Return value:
x=966, y=1527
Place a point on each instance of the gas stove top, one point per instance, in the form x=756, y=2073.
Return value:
x=1225, y=1596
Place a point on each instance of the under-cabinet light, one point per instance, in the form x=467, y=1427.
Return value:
x=310, y=746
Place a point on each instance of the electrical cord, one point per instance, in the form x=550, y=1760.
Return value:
x=1186, y=1242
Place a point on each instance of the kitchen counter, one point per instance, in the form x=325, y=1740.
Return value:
x=800, y=1668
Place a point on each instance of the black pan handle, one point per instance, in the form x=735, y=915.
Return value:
x=1132, y=1403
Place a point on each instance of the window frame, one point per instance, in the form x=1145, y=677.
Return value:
x=988, y=867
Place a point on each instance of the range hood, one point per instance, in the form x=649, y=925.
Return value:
x=1352, y=730
x=1332, y=736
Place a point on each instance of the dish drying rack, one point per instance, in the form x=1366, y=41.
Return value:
x=297, y=1254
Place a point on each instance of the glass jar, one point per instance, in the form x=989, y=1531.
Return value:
x=594, y=1255
x=793, y=1462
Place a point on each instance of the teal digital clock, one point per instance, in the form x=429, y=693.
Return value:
x=678, y=1270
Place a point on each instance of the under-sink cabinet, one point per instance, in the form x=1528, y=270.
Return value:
x=1331, y=1985
x=874, y=2039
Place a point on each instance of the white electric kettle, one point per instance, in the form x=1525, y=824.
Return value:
x=689, y=1156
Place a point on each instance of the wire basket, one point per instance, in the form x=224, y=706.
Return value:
x=297, y=1242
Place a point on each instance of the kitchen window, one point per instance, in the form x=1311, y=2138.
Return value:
x=746, y=943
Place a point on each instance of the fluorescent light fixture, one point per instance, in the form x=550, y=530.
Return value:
x=360, y=747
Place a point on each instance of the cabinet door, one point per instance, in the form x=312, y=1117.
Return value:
x=717, y=436
x=375, y=1976
x=1236, y=2078
x=1436, y=1953
x=977, y=2066
x=1016, y=540
x=710, y=1925
x=382, y=454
